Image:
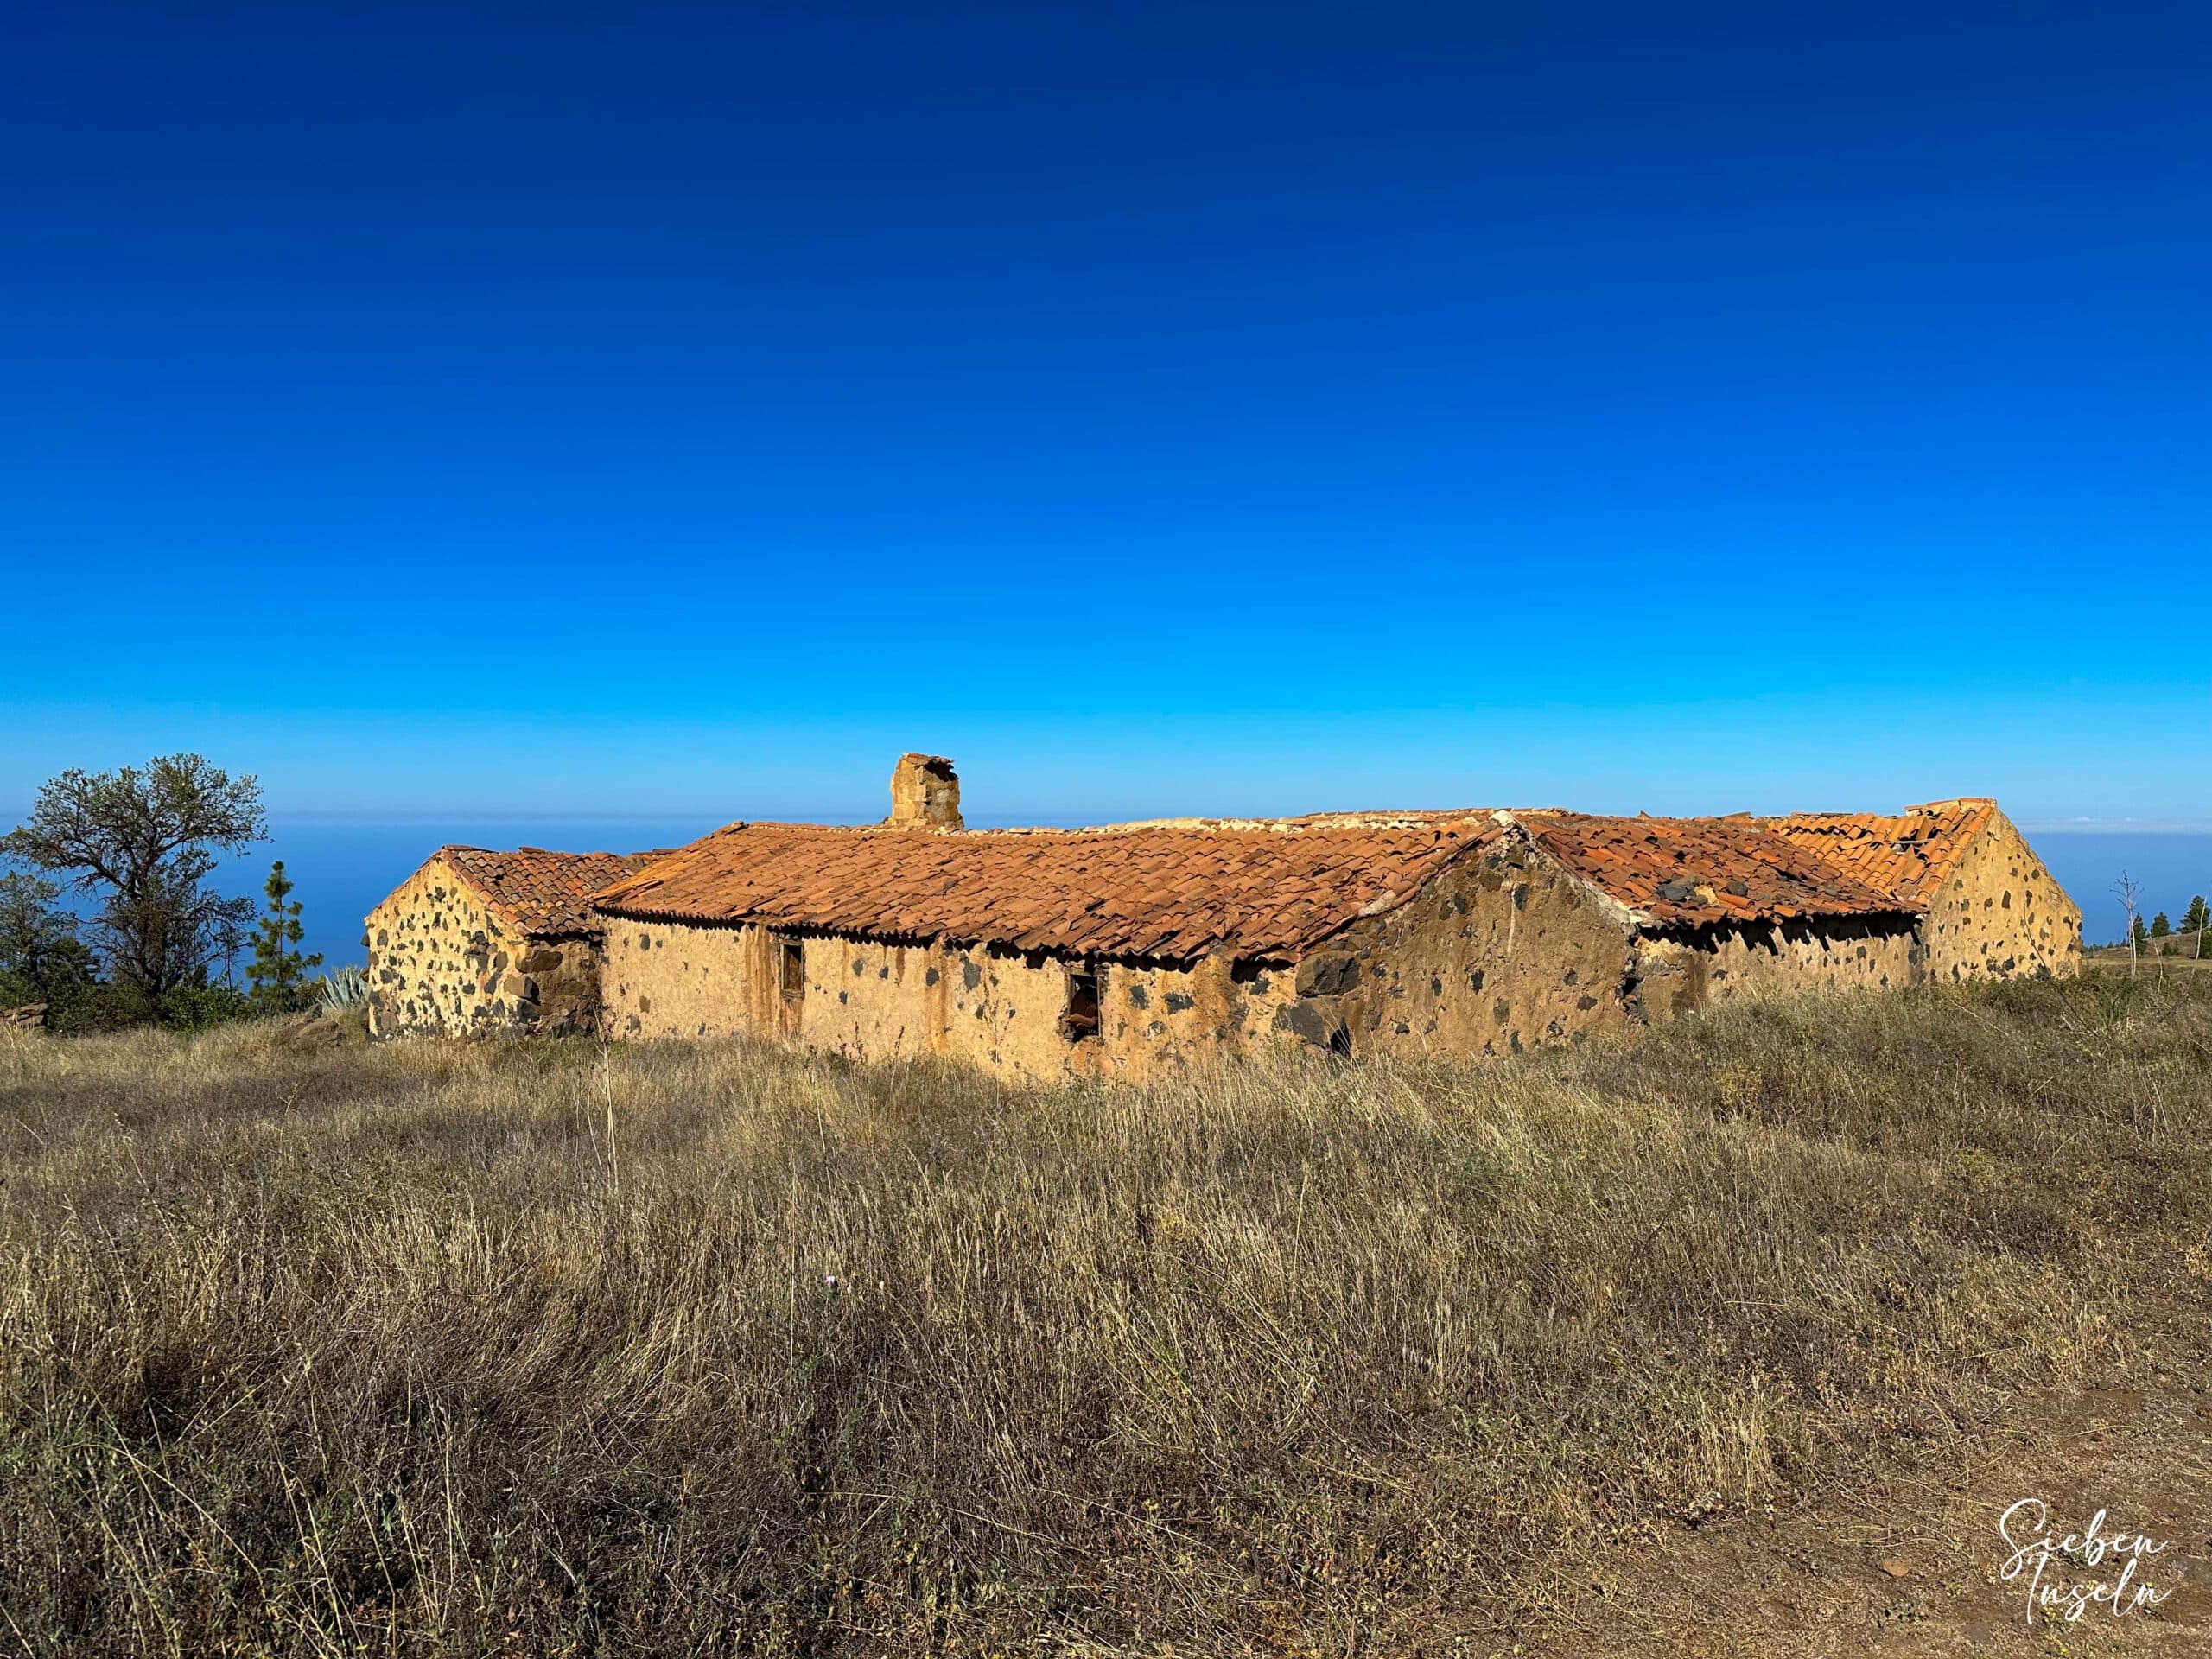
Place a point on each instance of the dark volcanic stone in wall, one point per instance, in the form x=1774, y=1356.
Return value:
x=1318, y=1021
x=1327, y=974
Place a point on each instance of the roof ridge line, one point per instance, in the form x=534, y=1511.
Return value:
x=1302, y=824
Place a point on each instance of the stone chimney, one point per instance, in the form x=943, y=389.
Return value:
x=925, y=794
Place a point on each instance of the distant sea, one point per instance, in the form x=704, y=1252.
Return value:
x=2168, y=866
x=344, y=867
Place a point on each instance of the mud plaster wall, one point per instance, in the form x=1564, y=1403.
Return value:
x=1678, y=971
x=1999, y=913
x=1499, y=951
x=872, y=1000
x=1504, y=950
x=442, y=961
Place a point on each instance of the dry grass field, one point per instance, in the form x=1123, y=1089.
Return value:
x=2116, y=958
x=552, y=1350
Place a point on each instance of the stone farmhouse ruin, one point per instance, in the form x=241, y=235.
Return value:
x=479, y=941
x=1133, y=949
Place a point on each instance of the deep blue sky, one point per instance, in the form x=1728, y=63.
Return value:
x=452, y=411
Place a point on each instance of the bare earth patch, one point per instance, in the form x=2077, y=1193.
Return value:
x=1910, y=1569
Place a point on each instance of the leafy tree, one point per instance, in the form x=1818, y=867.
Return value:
x=2160, y=927
x=144, y=842
x=278, y=970
x=42, y=958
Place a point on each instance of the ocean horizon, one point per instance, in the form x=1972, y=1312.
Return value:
x=344, y=867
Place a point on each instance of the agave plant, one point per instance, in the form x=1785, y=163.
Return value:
x=343, y=989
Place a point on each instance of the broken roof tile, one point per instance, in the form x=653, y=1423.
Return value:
x=1906, y=855
x=1694, y=871
x=1170, y=890
x=1177, y=888
x=545, y=893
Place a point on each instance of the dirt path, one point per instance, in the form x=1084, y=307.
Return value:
x=1912, y=1570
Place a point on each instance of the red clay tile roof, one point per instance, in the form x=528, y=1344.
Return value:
x=1171, y=890
x=1906, y=855
x=1692, y=871
x=545, y=893
x=1273, y=887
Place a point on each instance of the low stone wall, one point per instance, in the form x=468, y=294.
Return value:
x=31, y=1016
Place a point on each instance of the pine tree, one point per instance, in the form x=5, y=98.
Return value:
x=2160, y=926
x=278, y=970
x=2140, y=937
x=2192, y=920
x=42, y=958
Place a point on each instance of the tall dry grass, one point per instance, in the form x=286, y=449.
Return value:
x=544, y=1348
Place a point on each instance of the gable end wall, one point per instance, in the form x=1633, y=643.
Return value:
x=2000, y=914
x=1504, y=950
x=443, y=961
x=1499, y=950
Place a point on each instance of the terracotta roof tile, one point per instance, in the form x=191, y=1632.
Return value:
x=1701, y=870
x=1906, y=855
x=1174, y=890
x=1259, y=887
x=545, y=893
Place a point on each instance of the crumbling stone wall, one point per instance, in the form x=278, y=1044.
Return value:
x=2000, y=914
x=924, y=793
x=444, y=961
x=1499, y=951
x=995, y=1007
x=1676, y=971
x=1504, y=950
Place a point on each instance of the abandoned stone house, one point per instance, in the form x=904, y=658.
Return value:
x=1137, y=949
x=478, y=941
x=1984, y=904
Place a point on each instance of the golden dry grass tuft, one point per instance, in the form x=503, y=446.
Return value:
x=550, y=1349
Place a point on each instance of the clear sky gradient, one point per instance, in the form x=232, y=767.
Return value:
x=452, y=411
